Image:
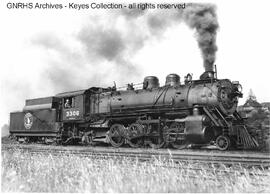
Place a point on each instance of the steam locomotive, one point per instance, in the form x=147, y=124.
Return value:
x=196, y=112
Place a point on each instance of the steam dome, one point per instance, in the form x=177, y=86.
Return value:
x=150, y=82
x=172, y=80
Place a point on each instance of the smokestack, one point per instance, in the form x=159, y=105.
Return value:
x=207, y=75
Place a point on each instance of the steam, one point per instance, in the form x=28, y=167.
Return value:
x=108, y=45
x=4, y=130
x=132, y=13
x=104, y=43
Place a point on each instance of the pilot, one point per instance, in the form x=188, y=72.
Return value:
x=67, y=104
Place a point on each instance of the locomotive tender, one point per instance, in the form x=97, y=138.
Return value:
x=197, y=112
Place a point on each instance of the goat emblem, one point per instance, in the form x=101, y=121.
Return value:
x=28, y=120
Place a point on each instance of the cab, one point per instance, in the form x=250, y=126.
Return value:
x=72, y=104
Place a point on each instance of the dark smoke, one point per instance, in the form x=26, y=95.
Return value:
x=201, y=17
x=158, y=23
x=109, y=44
x=102, y=44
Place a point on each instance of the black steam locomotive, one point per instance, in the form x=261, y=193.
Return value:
x=197, y=112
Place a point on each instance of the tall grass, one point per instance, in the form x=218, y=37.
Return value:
x=25, y=172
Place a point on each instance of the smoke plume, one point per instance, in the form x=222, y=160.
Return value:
x=102, y=42
x=202, y=17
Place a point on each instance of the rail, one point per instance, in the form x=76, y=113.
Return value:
x=248, y=159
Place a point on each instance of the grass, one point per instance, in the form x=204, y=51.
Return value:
x=25, y=172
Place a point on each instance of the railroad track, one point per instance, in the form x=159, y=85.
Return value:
x=247, y=159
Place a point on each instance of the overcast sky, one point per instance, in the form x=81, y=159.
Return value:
x=44, y=52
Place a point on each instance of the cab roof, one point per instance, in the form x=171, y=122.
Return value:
x=80, y=92
x=72, y=93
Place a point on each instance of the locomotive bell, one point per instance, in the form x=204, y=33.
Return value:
x=172, y=80
x=150, y=82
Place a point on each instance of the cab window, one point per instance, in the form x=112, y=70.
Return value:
x=68, y=102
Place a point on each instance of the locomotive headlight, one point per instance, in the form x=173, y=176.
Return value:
x=239, y=87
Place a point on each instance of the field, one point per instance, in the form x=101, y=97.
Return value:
x=28, y=172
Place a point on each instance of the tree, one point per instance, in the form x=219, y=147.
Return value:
x=251, y=96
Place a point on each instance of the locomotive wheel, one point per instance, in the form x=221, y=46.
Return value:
x=135, y=129
x=156, y=142
x=136, y=142
x=176, y=138
x=48, y=140
x=223, y=142
x=115, y=137
x=23, y=140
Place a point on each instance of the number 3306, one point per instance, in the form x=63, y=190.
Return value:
x=72, y=113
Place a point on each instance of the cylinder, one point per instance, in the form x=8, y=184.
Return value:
x=196, y=129
x=172, y=80
x=150, y=82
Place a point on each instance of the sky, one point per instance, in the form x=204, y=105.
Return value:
x=45, y=52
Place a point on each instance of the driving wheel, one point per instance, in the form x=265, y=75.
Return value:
x=156, y=142
x=176, y=138
x=115, y=137
x=135, y=130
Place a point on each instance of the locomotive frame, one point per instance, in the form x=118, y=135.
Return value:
x=198, y=112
